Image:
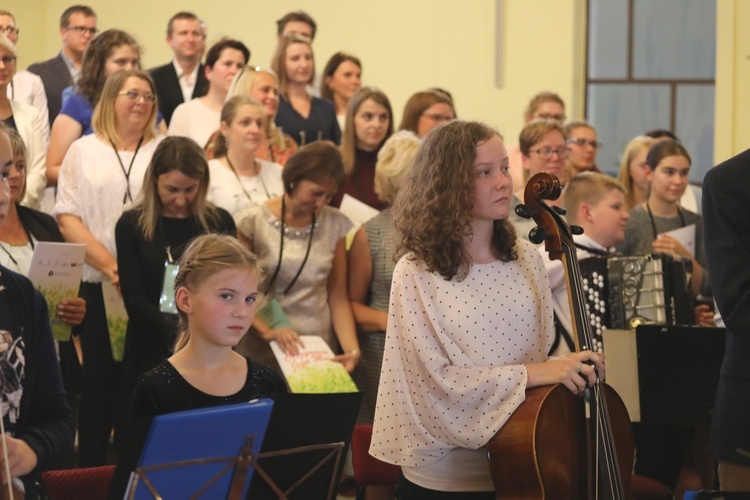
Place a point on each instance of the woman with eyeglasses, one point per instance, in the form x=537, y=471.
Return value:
x=29, y=124
x=100, y=177
x=261, y=84
x=583, y=145
x=26, y=87
x=426, y=110
x=109, y=52
x=304, y=117
x=543, y=149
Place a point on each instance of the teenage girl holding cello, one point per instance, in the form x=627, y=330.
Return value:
x=470, y=319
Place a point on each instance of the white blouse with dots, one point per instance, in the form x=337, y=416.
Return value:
x=453, y=367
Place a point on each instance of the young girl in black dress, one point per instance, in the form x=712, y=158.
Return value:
x=215, y=292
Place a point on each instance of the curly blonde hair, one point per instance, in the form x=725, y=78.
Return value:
x=432, y=210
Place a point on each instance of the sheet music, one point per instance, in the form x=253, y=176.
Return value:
x=685, y=235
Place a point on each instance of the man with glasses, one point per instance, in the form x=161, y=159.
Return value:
x=77, y=29
x=184, y=78
x=25, y=87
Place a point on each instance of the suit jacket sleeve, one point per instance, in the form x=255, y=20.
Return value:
x=727, y=238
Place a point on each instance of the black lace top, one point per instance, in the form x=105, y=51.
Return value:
x=163, y=390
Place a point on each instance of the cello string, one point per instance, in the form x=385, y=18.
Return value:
x=603, y=428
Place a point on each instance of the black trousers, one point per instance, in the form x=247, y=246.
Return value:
x=99, y=388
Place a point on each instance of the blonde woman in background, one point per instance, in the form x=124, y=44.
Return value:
x=261, y=84
x=238, y=177
x=634, y=170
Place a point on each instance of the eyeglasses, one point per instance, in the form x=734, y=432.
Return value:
x=9, y=30
x=135, y=96
x=83, y=29
x=547, y=152
x=438, y=118
x=550, y=116
x=583, y=142
x=8, y=60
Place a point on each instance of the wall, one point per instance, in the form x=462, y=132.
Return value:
x=404, y=46
x=407, y=46
x=732, y=114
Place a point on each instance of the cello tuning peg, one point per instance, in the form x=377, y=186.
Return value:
x=537, y=235
x=559, y=210
x=576, y=229
x=523, y=211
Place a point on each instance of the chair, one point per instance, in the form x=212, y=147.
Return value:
x=73, y=484
x=368, y=470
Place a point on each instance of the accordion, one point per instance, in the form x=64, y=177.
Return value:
x=625, y=292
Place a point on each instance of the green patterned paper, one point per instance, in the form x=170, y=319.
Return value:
x=56, y=272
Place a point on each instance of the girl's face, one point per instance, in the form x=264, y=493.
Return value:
x=298, y=63
x=246, y=130
x=370, y=125
x=346, y=80
x=310, y=197
x=266, y=91
x=222, y=308
x=122, y=57
x=16, y=178
x=176, y=192
x=639, y=171
x=670, y=178
x=493, y=185
x=134, y=112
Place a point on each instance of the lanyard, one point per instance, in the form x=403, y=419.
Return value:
x=239, y=181
x=14, y=261
x=653, y=222
x=130, y=167
x=281, y=250
x=167, y=245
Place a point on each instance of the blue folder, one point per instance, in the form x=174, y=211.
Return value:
x=185, y=451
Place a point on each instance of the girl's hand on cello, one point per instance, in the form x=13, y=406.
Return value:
x=572, y=371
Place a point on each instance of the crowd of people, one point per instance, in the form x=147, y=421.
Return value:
x=233, y=176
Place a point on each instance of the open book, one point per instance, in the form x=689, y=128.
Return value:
x=311, y=371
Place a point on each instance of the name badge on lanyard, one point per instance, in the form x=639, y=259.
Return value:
x=166, y=299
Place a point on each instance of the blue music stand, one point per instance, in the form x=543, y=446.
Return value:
x=201, y=453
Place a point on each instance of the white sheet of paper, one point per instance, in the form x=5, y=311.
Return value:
x=686, y=236
x=357, y=211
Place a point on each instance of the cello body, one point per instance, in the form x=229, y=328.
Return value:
x=556, y=444
x=540, y=452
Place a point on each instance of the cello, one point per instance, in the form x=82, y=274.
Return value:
x=557, y=444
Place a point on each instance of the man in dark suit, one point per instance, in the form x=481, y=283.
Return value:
x=184, y=78
x=77, y=29
x=726, y=203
